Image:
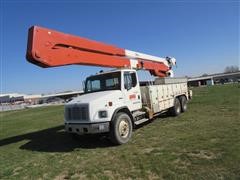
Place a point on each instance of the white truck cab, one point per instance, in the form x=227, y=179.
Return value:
x=114, y=102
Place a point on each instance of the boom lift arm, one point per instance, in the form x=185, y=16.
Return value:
x=49, y=48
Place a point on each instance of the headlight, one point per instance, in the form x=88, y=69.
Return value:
x=102, y=114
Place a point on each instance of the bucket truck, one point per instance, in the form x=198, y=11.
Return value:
x=114, y=102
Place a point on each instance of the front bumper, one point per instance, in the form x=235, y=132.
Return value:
x=87, y=128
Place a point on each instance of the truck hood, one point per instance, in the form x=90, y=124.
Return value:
x=97, y=96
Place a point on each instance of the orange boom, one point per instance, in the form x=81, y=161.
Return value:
x=49, y=48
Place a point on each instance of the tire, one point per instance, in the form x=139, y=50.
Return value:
x=121, y=129
x=176, y=109
x=183, y=101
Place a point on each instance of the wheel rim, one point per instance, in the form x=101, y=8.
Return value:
x=123, y=128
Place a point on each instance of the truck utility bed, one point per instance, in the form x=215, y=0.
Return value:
x=160, y=95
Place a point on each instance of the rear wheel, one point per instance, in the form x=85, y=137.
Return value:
x=183, y=101
x=121, y=129
x=176, y=109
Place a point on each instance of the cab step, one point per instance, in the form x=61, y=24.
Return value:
x=141, y=121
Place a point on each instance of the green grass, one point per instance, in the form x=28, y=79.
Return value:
x=203, y=143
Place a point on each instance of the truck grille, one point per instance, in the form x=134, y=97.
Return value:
x=77, y=113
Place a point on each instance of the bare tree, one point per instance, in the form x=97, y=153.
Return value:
x=230, y=69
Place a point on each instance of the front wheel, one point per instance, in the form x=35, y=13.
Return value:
x=121, y=129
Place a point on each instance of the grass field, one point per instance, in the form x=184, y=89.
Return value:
x=203, y=143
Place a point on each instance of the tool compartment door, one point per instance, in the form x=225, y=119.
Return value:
x=154, y=98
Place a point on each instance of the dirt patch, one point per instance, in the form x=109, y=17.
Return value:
x=181, y=164
x=63, y=176
x=152, y=175
x=109, y=174
x=79, y=176
x=45, y=175
x=66, y=154
x=147, y=150
x=202, y=154
x=151, y=150
x=17, y=169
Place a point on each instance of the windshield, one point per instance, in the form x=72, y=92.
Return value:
x=103, y=82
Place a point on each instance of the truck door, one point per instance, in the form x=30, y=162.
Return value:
x=131, y=90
